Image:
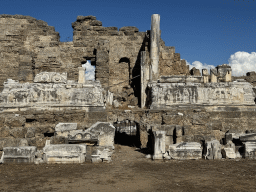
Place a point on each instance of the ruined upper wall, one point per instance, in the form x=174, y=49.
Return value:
x=29, y=46
x=108, y=48
x=170, y=62
x=22, y=38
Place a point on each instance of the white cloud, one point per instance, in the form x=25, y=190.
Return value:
x=200, y=66
x=242, y=62
x=89, y=71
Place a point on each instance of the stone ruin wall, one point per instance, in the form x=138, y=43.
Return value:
x=29, y=46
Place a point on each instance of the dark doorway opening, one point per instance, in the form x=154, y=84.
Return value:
x=127, y=133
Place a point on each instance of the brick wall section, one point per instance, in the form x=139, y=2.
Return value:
x=22, y=40
x=170, y=62
x=36, y=127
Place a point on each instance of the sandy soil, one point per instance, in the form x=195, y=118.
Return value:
x=131, y=171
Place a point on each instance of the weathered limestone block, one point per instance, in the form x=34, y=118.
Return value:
x=15, y=120
x=102, y=133
x=12, y=142
x=159, y=144
x=97, y=154
x=205, y=75
x=61, y=127
x=180, y=79
x=186, y=150
x=18, y=132
x=81, y=75
x=222, y=73
x=250, y=150
x=50, y=77
x=64, y=153
x=50, y=96
x=165, y=94
x=229, y=153
x=30, y=133
x=248, y=137
x=213, y=150
x=2, y=157
x=19, y=154
x=229, y=150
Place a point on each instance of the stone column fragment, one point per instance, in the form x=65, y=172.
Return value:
x=81, y=75
x=159, y=144
x=143, y=78
x=154, y=45
x=205, y=75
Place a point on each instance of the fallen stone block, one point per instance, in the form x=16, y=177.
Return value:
x=186, y=150
x=248, y=137
x=65, y=127
x=64, y=153
x=19, y=154
x=98, y=153
x=229, y=153
x=159, y=144
x=250, y=150
x=102, y=133
x=12, y=142
x=213, y=150
x=2, y=158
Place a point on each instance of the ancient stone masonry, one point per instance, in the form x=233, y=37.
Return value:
x=52, y=95
x=27, y=46
x=143, y=95
x=180, y=90
x=30, y=46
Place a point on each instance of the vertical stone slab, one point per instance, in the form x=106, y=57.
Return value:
x=228, y=76
x=143, y=78
x=81, y=75
x=154, y=45
x=213, y=78
x=159, y=144
x=213, y=150
x=205, y=75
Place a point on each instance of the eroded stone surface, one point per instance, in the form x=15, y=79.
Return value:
x=186, y=150
x=250, y=150
x=65, y=127
x=51, y=96
x=213, y=149
x=165, y=95
x=50, y=77
x=64, y=153
x=159, y=144
x=19, y=154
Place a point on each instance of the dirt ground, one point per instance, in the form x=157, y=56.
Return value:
x=131, y=171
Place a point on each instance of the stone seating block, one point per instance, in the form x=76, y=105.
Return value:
x=64, y=153
x=185, y=150
x=19, y=154
x=250, y=150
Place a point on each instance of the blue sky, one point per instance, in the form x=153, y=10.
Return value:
x=205, y=32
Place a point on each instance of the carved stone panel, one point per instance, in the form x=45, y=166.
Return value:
x=51, y=77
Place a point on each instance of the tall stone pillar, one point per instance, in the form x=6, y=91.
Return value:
x=143, y=80
x=154, y=46
x=81, y=75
